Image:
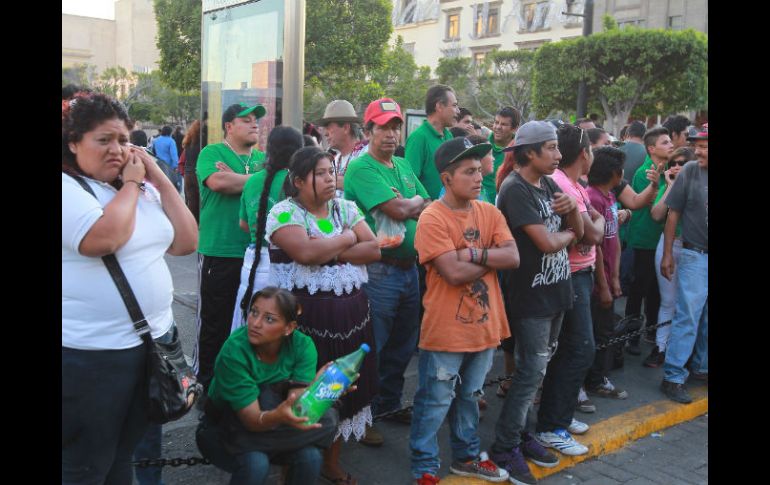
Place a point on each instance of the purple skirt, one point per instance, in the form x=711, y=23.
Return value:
x=338, y=326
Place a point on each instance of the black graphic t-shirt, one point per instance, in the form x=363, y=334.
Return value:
x=541, y=286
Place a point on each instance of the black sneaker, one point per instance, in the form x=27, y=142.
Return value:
x=536, y=453
x=655, y=359
x=514, y=463
x=675, y=392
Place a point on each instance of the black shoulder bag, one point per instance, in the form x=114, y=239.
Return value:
x=169, y=379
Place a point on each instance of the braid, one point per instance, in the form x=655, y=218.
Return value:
x=261, y=222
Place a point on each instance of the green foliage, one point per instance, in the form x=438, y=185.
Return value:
x=609, y=22
x=401, y=79
x=79, y=74
x=344, y=33
x=179, y=43
x=504, y=79
x=658, y=71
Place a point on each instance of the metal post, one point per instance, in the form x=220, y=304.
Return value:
x=588, y=27
x=293, y=62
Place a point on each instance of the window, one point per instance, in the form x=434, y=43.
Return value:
x=478, y=58
x=486, y=20
x=409, y=47
x=408, y=8
x=676, y=22
x=453, y=26
x=534, y=16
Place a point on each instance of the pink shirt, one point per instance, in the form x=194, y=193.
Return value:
x=581, y=256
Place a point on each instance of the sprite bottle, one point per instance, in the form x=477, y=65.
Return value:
x=329, y=386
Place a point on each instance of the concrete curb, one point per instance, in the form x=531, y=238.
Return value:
x=612, y=434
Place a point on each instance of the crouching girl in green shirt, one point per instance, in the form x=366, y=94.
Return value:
x=261, y=370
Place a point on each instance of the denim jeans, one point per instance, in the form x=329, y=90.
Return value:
x=536, y=340
x=574, y=357
x=394, y=299
x=690, y=327
x=626, y=269
x=103, y=413
x=604, y=325
x=254, y=467
x=644, y=287
x=667, y=293
x=449, y=383
x=150, y=445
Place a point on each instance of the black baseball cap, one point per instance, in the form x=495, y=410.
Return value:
x=458, y=149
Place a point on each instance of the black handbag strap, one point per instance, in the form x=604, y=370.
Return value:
x=141, y=326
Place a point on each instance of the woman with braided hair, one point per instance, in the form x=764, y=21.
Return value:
x=263, y=190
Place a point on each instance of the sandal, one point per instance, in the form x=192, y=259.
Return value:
x=347, y=480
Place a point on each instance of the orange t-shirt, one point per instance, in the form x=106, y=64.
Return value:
x=469, y=317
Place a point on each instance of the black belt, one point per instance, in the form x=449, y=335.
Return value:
x=398, y=263
x=691, y=247
x=588, y=269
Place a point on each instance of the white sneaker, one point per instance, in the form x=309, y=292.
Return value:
x=607, y=389
x=577, y=427
x=560, y=440
x=584, y=404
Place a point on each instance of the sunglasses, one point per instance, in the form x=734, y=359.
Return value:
x=676, y=162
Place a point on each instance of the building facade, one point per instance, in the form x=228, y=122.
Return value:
x=655, y=14
x=432, y=29
x=128, y=41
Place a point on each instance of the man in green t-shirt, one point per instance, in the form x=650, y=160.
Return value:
x=383, y=184
x=222, y=170
x=507, y=121
x=441, y=108
x=644, y=234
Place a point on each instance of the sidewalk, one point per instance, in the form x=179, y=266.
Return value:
x=615, y=426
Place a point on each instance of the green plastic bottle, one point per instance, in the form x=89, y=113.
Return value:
x=329, y=386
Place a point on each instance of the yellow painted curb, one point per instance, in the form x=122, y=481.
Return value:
x=612, y=434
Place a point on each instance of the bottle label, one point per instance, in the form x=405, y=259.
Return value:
x=332, y=385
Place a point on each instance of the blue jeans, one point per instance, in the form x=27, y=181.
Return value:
x=254, y=467
x=572, y=360
x=150, y=445
x=394, y=299
x=103, y=413
x=449, y=382
x=690, y=327
x=536, y=340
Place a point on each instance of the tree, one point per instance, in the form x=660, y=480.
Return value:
x=651, y=69
x=179, y=43
x=401, y=79
x=79, y=74
x=344, y=33
x=503, y=79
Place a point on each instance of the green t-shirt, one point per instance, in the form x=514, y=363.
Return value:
x=220, y=233
x=368, y=183
x=420, y=148
x=238, y=372
x=661, y=191
x=488, y=182
x=643, y=231
x=251, y=194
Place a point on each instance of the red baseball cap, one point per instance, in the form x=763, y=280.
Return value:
x=381, y=111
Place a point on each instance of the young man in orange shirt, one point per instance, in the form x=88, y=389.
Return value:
x=462, y=242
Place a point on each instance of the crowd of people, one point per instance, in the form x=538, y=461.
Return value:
x=520, y=237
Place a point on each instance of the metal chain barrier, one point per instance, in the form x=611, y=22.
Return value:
x=175, y=462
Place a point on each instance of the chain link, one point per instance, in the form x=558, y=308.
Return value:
x=175, y=462
x=630, y=335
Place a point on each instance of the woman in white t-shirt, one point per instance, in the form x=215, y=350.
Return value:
x=138, y=215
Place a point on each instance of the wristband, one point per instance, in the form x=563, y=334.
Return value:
x=141, y=185
x=484, y=255
x=470, y=251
